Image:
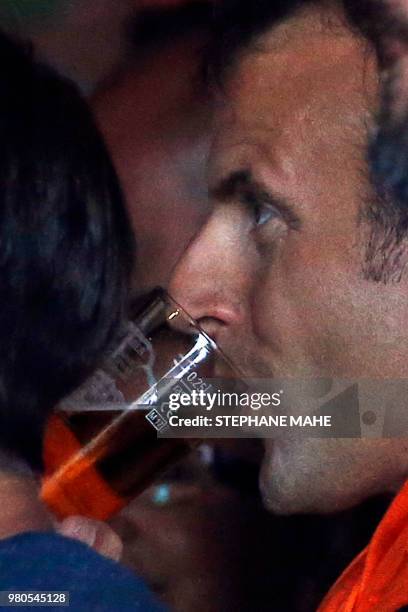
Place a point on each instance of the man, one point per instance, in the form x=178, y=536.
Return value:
x=301, y=263
x=65, y=248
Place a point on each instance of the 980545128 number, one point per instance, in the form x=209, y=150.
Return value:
x=34, y=598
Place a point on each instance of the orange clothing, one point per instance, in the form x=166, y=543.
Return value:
x=377, y=579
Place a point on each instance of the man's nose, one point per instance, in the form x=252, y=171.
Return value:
x=205, y=282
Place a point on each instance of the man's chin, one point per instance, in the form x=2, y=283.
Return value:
x=284, y=494
x=272, y=479
x=291, y=483
x=292, y=480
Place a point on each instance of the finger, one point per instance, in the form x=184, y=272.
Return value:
x=96, y=534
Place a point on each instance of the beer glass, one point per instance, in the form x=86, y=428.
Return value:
x=106, y=442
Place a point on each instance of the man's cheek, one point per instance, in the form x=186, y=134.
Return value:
x=268, y=316
x=282, y=301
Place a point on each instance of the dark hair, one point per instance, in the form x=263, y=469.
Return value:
x=237, y=24
x=65, y=246
x=154, y=27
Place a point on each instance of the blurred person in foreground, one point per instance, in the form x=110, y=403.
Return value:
x=155, y=116
x=65, y=253
x=302, y=260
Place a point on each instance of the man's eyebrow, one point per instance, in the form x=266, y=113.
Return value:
x=242, y=186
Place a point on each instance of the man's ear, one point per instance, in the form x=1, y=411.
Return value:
x=388, y=29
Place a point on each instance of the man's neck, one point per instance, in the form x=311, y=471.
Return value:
x=20, y=507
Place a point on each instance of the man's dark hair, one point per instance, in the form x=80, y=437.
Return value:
x=238, y=26
x=65, y=246
x=155, y=27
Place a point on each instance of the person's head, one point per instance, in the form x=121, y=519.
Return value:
x=301, y=265
x=156, y=118
x=65, y=247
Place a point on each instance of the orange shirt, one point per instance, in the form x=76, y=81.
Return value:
x=377, y=580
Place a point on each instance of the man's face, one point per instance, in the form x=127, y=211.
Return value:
x=277, y=273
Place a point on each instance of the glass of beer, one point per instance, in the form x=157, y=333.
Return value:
x=106, y=442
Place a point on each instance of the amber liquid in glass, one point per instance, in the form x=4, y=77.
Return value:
x=100, y=449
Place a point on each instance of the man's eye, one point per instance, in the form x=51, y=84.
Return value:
x=263, y=213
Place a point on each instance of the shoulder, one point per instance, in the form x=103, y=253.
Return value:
x=50, y=562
